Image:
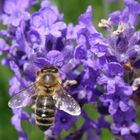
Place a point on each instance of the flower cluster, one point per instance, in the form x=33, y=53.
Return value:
x=104, y=66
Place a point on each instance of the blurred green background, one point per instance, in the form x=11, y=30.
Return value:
x=71, y=9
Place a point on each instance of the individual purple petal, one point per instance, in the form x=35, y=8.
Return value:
x=81, y=39
x=55, y=33
x=3, y=46
x=9, y=6
x=90, y=82
x=105, y=98
x=34, y=37
x=69, y=66
x=71, y=32
x=24, y=4
x=128, y=90
x=137, y=49
x=45, y=22
x=14, y=86
x=102, y=80
x=86, y=18
x=133, y=6
x=15, y=12
x=45, y=3
x=36, y=19
x=15, y=21
x=99, y=49
x=82, y=94
x=55, y=58
x=125, y=131
x=98, y=44
x=113, y=108
x=114, y=128
x=111, y=86
x=16, y=122
x=40, y=61
x=29, y=72
x=115, y=17
x=120, y=81
x=80, y=52
x=134, y=128
x=115, y=69
x=23, y=136
x=15, y=69
x=49, y=15
x=56, y=28
x=124, y=107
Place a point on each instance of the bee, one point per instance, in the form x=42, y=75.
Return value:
x=48, y=95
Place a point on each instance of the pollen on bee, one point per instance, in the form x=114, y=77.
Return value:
x=105, y=23
x=135, y=84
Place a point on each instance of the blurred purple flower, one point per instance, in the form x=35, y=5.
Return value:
x=15, y=12
x=63, y=121
x=16, y=121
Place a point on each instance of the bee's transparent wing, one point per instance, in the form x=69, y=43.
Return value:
x=23, y=98
x=67, y=103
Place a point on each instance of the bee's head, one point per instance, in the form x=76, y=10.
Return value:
x=49, y=69
x=49, y=75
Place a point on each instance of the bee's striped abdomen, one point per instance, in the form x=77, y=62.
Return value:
x=45, y=111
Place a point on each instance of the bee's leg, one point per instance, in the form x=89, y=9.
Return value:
x=33, y=107
x=69, y=83
x=34, y=96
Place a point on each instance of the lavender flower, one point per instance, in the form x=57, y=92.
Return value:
x=63, y=121
x=46, y=22
x=103, y=66
x=15, y=11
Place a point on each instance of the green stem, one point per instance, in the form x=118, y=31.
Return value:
x=59, y=137
x=106, y=7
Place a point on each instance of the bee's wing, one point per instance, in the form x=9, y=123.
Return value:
x=67, y=103
x=22, y=98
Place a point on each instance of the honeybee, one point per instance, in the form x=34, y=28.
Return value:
x=49, y=95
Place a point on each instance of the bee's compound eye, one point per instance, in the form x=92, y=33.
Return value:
x=43, y=70
x=49, y=79
x=55, y=70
